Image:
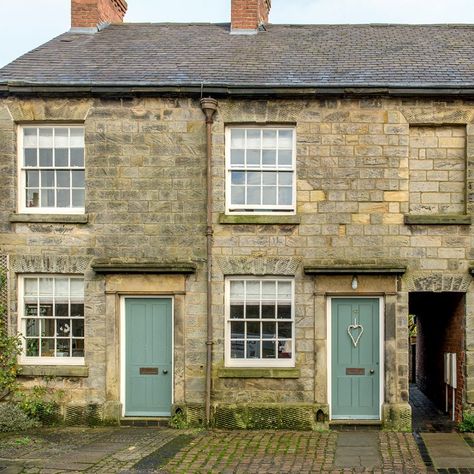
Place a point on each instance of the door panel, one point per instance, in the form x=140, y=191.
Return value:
x=148, y=356
x=355, y=368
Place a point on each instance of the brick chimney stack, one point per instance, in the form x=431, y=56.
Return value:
x=92, y=13
x=248, y=15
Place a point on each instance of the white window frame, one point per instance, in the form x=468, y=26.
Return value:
x=38, y=360
x=258, y=209
x=22, y=208
x=262, y=363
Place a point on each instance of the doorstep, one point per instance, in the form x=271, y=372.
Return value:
x=145, y=421
x=355, y=425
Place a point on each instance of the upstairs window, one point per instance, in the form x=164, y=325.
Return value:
x=260, y=170
x=51, y=169
x=260, y=322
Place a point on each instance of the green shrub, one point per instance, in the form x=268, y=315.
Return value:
x=40, y=403
x=13, y=418
x=467, y=423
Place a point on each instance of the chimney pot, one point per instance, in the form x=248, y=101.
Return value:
x=248, y=15
x=93, y=13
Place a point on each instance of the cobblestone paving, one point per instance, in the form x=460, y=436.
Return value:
x=122, y=450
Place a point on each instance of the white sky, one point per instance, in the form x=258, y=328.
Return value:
x=26, y=24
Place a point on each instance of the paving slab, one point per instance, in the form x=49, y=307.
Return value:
x=357, y=449
x=449, y=450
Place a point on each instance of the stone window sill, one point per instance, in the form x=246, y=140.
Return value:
x=257, y=373
x=437, y=219
x=50, y=218
x=54, y=370
x=259, y=219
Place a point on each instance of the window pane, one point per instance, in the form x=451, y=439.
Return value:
x=238, y=195
x=32, y=179
x=237, y=349
x=284, y=290
x=32, y=347
x=284, y=330
x=32, y=198
x=253, y=311
x=284, y=196
x=237, y=311
x=46, y=138
x=31, y=286
x=268, y=330
x=31, y=157
x=269, y=158
x=269, y=195
x=253, y=349
x=78, y=327
x=269, y=138
x=47, y=327
x=78, y=179
x=61, y=309
x=30, y=137
x=47, y=179
x=268, y=289
x=236, y=289
x=237, y=138
x=269, y=178
x=237, y=330
x=47, y=198
x=237, y=177
x=45, y=309
x=77, y=287
x=268, y=311
x=46, y=157
x=237, y=157
x=285, y=139
x=285, y=179
x=32, y=327
x=77, y=157
x=253, y=195
x=63, y=327
x=78, y=348
x=268, y=349
x=63, y=179
x=45, y=286
x=61, y=157
x=253, y=138
x=31, y=309
x=77, y=137
x=77, y=309
x=284, y=157
x=284, y=349
x=62, y=348
x=253, y=330
x=78, y=198
x=63, y=198
x=284, y=312
x=61, y=139
x=253, y=157
x=254, y=177
x=253, y=289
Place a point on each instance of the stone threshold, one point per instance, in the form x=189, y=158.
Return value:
x=145, y=421
x=49, y=218
x=110, y=266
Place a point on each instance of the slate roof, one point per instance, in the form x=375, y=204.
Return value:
x=138, y=54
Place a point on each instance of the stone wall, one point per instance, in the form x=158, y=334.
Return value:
x=145, y=200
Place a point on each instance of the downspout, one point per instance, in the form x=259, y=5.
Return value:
x=209, y=107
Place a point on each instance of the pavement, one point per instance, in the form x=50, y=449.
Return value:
x=165, y=450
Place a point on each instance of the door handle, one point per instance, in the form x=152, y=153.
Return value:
x=371, y=371
x=165, y=371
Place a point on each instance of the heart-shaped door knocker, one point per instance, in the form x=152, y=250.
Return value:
x=355, y=331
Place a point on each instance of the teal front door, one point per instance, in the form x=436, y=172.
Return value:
x=148, y=356
x=355, y=371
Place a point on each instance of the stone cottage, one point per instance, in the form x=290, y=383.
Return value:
x=234, y=221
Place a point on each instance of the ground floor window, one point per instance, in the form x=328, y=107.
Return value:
x=260, y=322
x=51, y=311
